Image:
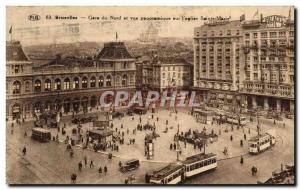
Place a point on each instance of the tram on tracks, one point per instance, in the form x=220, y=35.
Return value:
x=199, y=163
x=191, y=166
x=170, y=174
x=261, y=143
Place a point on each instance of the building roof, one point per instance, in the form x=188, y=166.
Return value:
x=234, y=24
x=114, y=50
x=69, y=61
x=15, y=52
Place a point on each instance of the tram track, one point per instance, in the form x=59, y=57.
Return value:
x=44, y=173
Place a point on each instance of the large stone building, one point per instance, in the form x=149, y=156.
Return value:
x=249, y=64
x=218, y=61
x=171, y=74
x=269, y=63
x=64, y=84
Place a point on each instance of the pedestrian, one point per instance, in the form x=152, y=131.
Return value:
x=100, y=170
x=245, y=137
x=167, y=122
x=120, y=164
x=122, y=126
x=241, y=143
x=231, y=138
x=171, y=146
x=91, y=164
x=71, y=153
x=105, y=170
x=174, y=146
x=73, y=178
x=25, y=134
x=249, y=130
x=80, y=166
x=283, y=125
x=24, y=151
x=85, y=161
x=157, y=119
x=242, y=160
x=274, y=122
x=184, y=143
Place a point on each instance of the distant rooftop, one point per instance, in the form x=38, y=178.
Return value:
x=114, y=50
x=15, y=52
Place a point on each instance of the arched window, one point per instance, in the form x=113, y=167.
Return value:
x=57, y=84
x=84, y=82
x=37, y=86
x=67, y=84
x=101, y=81
x=117, y=81
x=108, y=80
x=16, y=87
x=124, y=80
x=93, y=82
x=47, y=85
x=76, y=83
x=27, y=86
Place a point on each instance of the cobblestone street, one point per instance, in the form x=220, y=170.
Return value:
x=51, y=163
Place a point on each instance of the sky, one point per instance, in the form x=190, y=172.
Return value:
x=58, y=31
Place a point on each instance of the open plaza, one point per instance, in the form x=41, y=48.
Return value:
x=51, y=162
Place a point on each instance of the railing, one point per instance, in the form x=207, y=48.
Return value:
x=273, y=90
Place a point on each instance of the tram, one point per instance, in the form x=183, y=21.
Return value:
x=199, y=163
x=177, y=173
x=260, y=143
x=170, y=174
x=40, y=134
x=236, y=120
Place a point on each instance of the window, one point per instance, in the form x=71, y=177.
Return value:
x=17, y=67
x=16, y=87
x=67, y=84
x=27, y=86
x=237, y=32
x=57, y=84
x=84, y=82
x=101, y=81
x=254, y=35
x=124, y=80
x=125, y=65
x=108, y=80
x=228, y=32
x=282, y=34
x=247, y=35
x=93, y=82
x=263, y=34
x=291, y=33
x=47, y=85
x=37, y=86
x=76, y=83
x=273, y=34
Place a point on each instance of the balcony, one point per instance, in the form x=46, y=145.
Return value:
x=269, y=89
